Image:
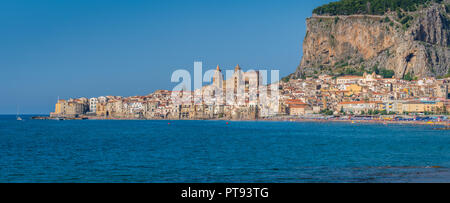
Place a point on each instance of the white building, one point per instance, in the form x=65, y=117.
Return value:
x=93, y=104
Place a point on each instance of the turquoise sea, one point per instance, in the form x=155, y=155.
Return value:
x=214, y=151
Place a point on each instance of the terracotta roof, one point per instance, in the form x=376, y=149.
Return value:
x=295, y=102
x=360, y=102
x=350, y=77
x=298, y=106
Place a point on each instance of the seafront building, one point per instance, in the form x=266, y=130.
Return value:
x=93, y=105
x=243, y=96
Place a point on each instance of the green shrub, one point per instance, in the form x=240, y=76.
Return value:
x=406, y=19
x=375, y=7
x=387, y=73
x=327, y=112
x=408, y=77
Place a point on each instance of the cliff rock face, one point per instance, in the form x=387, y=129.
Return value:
x=420, y=47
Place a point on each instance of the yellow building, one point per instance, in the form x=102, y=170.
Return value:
x=421, y=107
x=388, y=106
x=353, y=89
x=101, y=109
x=358, y=107
x=60, y=107
x=297, y=107
x=70, y=108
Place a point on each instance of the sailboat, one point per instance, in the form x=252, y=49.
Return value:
x=18, y=117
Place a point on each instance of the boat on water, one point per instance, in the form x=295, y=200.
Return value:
x=17, y=116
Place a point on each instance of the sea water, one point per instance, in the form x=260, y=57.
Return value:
x=214, y=151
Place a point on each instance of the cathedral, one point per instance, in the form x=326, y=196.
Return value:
x=241, y=88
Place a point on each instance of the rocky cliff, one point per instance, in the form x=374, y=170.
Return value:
x=409, y=43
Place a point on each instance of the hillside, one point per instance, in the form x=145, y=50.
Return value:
x=408, y=41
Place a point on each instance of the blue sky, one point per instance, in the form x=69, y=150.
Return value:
x=90, y=48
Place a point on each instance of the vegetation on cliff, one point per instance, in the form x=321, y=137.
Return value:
x=407, y=39
x=372, y=7
x=361, y=70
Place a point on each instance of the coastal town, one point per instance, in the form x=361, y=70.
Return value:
x=370, y=95
x=357, y=64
